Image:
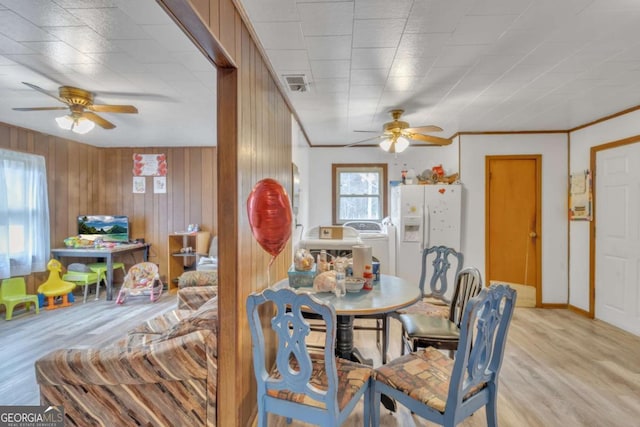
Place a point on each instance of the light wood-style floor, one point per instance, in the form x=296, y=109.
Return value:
x=560, y=369
x=28, y=336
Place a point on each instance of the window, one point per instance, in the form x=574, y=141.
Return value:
x=24, y=214
x=359, y=192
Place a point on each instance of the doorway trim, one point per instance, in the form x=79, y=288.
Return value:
x=537, y=158
x=592, y=226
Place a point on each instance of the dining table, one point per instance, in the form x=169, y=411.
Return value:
x=387, y=295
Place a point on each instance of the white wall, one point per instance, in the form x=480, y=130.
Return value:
x=581, y=143
x=300, y=157
x=321, y=159
x=553, y=148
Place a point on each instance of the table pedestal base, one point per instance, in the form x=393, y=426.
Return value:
x=346, y=350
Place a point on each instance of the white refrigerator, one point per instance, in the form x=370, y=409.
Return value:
x=424, y=216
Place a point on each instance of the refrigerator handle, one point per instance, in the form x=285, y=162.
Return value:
x=425, y=228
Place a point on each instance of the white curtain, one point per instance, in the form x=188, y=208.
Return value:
x=24, y=214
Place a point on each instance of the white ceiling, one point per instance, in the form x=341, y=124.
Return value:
x=125, y=51
x=464, y=65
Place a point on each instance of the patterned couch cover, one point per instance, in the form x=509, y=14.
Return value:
x=195, y=288
x=162, y=373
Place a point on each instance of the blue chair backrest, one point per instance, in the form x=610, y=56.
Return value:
x=438, y=285
x=292, y=329
x=483, y=334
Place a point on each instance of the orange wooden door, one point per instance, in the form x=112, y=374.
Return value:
x=513, y=223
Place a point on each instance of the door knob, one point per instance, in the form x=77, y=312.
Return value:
x=532, y=234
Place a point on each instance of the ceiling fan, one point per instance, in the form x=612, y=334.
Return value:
x=82, y=115
x=397, y=133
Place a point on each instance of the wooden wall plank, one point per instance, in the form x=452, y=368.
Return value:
x=228, y=283
x=227, y=22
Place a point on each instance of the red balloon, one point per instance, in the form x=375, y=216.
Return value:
x=269, y=213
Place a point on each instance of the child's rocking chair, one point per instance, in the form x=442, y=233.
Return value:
x=142, y=279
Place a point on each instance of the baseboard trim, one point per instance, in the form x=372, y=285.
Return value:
x=580, y=311
x=554, y=305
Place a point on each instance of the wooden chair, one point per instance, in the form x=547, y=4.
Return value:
x=421, y=330
x=446, y=391
x=316, y=388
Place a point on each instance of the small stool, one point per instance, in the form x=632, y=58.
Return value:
x=86, y=279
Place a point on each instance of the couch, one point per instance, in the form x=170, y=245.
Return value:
x=195, y=288
x=162, y=373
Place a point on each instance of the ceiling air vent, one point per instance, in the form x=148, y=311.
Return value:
x=296, y=82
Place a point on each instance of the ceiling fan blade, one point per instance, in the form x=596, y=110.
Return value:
x=40, y=108
x=365, y=140
x=104, y=108
x=39, y=89
x=98, y=120
x=432, y=140
x=423, y=129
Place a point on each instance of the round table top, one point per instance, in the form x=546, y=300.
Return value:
x=389, y=294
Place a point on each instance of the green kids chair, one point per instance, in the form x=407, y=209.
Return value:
x=13, y=292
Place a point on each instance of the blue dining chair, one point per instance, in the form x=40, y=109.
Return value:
x=446, y=391
x=317, y=388
x=420, y=330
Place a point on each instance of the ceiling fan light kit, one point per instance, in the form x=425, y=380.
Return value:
x=395, y=144
x=77, y=125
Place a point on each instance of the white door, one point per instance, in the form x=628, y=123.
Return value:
x=617, y=277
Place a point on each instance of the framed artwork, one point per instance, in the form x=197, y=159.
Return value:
x=149, y=164
x=160, y=184
x=139, y=185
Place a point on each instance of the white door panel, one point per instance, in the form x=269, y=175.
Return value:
x=617, y=275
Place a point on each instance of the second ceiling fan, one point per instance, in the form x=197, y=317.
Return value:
x=396, y=135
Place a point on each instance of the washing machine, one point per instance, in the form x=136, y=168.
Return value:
x=381, y=237
x=335, y=247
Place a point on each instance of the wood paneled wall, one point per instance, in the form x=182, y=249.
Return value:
x=83, y=179
x=254, y=142
x=264, y=143
x=190, y=197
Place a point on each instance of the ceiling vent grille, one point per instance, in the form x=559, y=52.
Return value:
x=296, y=82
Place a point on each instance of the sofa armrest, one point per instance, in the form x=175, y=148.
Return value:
x=198, y=278
x=194, y=298
x=181, y=358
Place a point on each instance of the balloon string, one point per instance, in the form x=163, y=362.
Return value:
x=273, y=258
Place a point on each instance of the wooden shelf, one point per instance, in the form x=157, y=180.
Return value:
x=179, y=262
